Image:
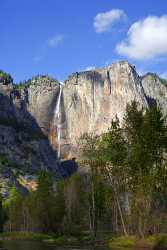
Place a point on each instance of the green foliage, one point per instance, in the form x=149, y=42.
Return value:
x=122, y=242
x=32, y=81
x=22, y=85
x=123, y=190
x=25, y=236
x=113, y=148
x=161, y=242
x=4, y=162
x=2, y=215
x=5, y=77
x=112, y=144
x=163, y=81
x=133, y=159
x=97, y=191
x=88, y=144
x=75, y=205
x=42, y=203
x=13, y=206
x=146, y=135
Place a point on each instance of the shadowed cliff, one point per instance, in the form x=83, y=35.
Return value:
x=24, y=148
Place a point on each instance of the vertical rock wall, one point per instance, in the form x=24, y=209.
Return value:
x=92, y=99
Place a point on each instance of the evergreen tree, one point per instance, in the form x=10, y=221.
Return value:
x=2, y=215
x=89, y=146
x=43, y=203
x=113, y=152
x=13, y=206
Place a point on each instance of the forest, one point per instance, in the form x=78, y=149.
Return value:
x=122, y=188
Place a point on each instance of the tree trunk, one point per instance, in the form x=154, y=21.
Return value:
x=118, y=203
x=94, y=227
x=121, y=215
x=141, y=234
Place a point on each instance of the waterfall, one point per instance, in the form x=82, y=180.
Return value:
x=93, y=96
x=57, y=120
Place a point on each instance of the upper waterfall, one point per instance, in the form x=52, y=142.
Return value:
x=57, y=120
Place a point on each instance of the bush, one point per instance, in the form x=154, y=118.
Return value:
x=161, y=242
x=5, y=77
x=22, y=85
x=163, y=81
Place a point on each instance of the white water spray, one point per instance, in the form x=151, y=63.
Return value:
x=57, y=120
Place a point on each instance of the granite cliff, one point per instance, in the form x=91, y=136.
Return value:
x=24, y=145
x=40, y=117
x=92, y=99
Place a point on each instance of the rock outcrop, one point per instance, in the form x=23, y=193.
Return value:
x=32, y=119
x=92, y=99
x=156, y=90
x=25, y=116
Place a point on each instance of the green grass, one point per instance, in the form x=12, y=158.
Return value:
x=122, y=242
x=157, y=242
x=25, y=235
x=50, y=238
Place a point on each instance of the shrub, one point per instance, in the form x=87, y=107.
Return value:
x=5, y=77
x=161, y=242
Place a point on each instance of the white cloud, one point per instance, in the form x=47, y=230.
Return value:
x=104, y=21
x=55, y=41
x=146, y=39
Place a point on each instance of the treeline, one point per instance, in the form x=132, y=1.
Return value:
x=122, y=190
x=132, y=159
x=58, y=208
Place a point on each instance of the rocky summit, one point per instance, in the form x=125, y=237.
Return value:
x=42, y=120
x=26, y=110
x=92, y=99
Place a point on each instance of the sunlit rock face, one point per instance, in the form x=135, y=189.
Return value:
x=156, y=90
x=40, y=98
x=93, y=98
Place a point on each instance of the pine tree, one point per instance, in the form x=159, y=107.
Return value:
x=13, y=206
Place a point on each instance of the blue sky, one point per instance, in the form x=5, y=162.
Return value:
x=58, y=37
